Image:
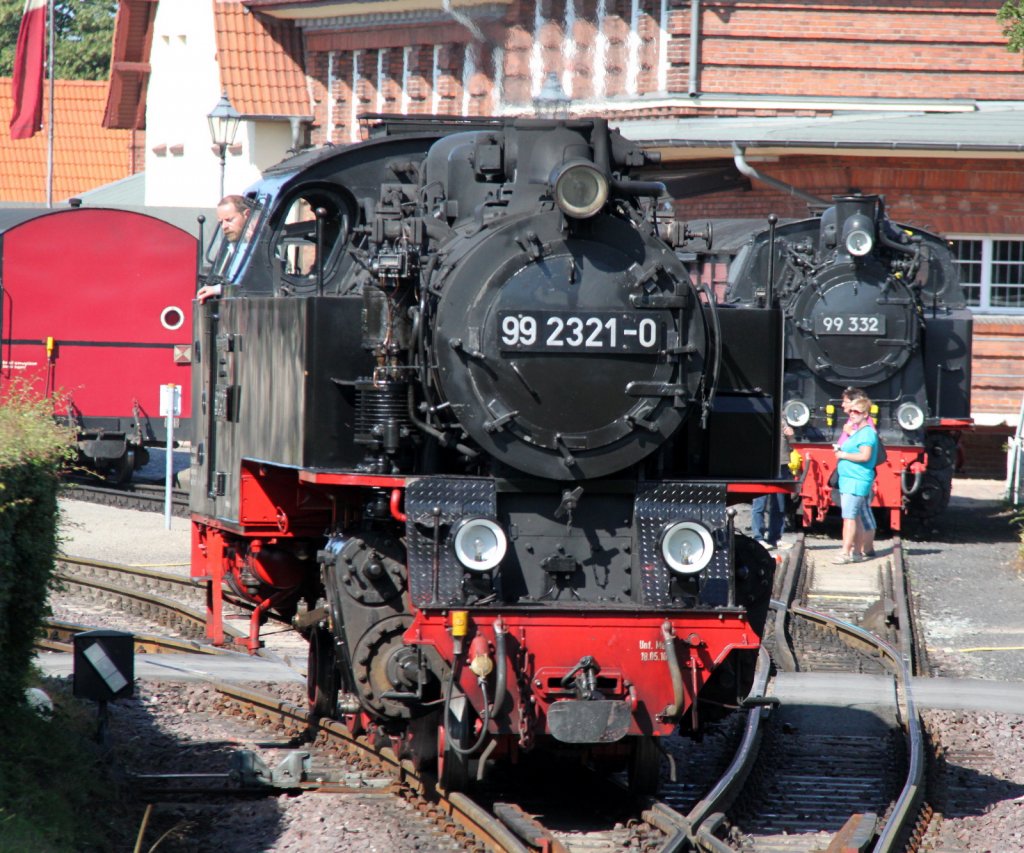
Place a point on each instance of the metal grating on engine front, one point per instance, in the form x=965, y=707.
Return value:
x=657, y=504
x=439, y=502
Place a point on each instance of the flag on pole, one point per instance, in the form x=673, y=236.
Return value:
x=27, y=82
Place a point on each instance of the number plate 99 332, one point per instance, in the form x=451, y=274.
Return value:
x=607, y=332
x=849, y=324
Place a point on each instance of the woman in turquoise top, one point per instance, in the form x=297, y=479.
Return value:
x=856, y=467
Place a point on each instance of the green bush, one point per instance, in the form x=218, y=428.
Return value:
x=56, y=791
x=52, y=776
x=32, y=450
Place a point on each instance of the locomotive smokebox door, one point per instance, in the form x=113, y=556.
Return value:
x=104, y=665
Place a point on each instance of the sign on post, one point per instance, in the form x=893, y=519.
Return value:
x=170, y=401
x=104, y=665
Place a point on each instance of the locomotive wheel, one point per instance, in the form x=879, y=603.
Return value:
x=644, y=769
x=379, y=658
x=322, y=674
x=941, y=447
x=931, y=498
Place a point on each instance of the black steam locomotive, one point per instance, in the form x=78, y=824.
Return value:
x=877, y=305
x=466, y=421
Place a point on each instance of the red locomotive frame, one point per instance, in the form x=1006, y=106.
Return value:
x=665, y=657
x=895, y=478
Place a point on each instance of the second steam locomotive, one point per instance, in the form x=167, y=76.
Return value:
x=465, y=419
x=876, y=305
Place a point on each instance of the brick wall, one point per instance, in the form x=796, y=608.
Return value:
x=617, y=55
x=984, y=453
x=869, y=49
x=941, y=195
x=997, y=365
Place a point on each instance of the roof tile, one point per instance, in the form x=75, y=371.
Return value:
x=85, y=154
x=261, y=62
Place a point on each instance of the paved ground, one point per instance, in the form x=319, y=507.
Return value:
x=123, y=535
x=967, y=579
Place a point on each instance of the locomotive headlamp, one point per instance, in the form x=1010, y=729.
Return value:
x=581, y=189
x=858, y=235
x=797, y=413
x=687, y=547
x=480, y=544
x=910, y=416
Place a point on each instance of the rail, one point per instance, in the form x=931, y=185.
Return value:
x=910, y=797
x=697, y=829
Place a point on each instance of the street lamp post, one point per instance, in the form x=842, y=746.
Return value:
x=223, y=120
x=551, y=101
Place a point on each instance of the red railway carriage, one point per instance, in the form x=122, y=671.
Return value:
x=96, y=305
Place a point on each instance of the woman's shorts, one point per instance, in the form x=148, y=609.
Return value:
x=859, y=507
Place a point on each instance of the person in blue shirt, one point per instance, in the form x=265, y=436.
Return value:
x=856, y=466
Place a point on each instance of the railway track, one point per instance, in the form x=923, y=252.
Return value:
x=828, y=773
x=57, y=636
x=145, y=497
x=781, y=775
x=175, y=602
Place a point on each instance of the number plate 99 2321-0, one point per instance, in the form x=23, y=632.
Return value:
x=596, y=332
x=849, y=324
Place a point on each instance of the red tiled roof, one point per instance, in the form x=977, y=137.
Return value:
x=85, y=154
x=261, y=62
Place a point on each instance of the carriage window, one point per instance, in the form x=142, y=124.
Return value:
x=295, y=245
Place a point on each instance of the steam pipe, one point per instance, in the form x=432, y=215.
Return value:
x=442, y=439
x=395, y=504
x=745, y=168
x=654, y=189
x=886, y=240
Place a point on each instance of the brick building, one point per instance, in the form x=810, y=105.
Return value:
x=756, y=106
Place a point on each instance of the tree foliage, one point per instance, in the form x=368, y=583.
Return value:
x=83, y=33
x=1011, y=16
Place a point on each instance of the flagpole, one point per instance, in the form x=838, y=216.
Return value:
x=49, y=119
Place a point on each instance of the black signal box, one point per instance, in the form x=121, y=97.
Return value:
x=104, y=665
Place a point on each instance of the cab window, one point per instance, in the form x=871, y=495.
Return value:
x=227, y=258
x=295, y=237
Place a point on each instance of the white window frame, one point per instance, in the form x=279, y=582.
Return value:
x=987, y=241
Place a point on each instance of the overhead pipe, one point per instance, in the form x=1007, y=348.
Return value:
x=745, y=168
